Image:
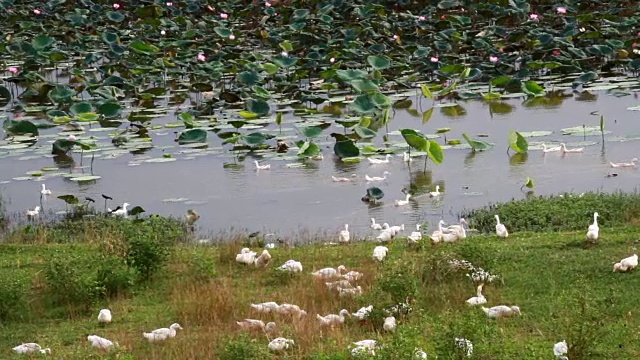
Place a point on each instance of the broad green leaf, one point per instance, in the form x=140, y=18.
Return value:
x=532, y=88
x=378, y=62
x=425, y=91
x=143, y=48
x=115, y=16
x=434, y=152
x=307, y=149
x=310, y=131
x=69, y=199
x=81, y=107
x=362, y=85
x=20, y=127
x=254, y=139
x=517, y=142
x=476, y=145
x=109, y=109
x=528, y=183
x=192, y=136
x=257, y=106
x=286, y=46
x=426, y=116
x=87, y=117
x=247, y=115
x=364, y=133
x=414, y=139
x=363, y=104
x=187, y=119
x=346, y=149
x=585, y=78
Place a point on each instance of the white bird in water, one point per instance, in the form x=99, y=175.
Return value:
x=344, y=235
x=374, y=161
x=396, y=229
x=564, y=149
x=406, y=157
x=29, y=348
x=374, y=225
x=44, y=190
x=501, y=230
x=551, y=149
x=162, y=334
x=501, y=311
x=377, y=178
x=344, y=179
x=435, y=193
x=104, y=316
x=594, y=230
x=380, y=252
x=123, y=212
x=613, y=165
x=403, y=202
x=100, y=342
x=626, y=264
x=33, y=213
x=560, y=348
x=280, y=344
x=479, y=298
x=262, y=167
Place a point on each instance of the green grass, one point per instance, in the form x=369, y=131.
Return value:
x=564, y=291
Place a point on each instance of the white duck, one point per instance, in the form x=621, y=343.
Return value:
x=104, y=316
x=459, y=229
x=594, y=229
x=551, y=149
x=406, y=157
x=344, y=284
x=262, y=167
x=374, y=161
x=403, y=202
x=162, y=334
x=501, y=311
x=479, y=299
x=465, y=345
x=377, y=178
x=613, y=165
x=123, y=212
x=344, y=235
x=389, y=324
x=419, y=354
x=280, y=344
x=29, y=348
x=363, y=312
x=290, y=309
x=252, y=324
x=353, y=276
x=266, y=307
x=344, y=179
x=45, y=191
x=291, y=266
x=328, y=273
x=560, y=348
x=435, y=193
x=501, y=230
x=349, y=291
x=333, y=319
x=415, y=235
x=100, y=342
x=396, y=229
x=563, y=149
x=246, y=256
x=380, y=252
x=374, y=225
x=263, y=259
x=33, y=213
x=626, y=264
x=364, y=347
x=443, y=234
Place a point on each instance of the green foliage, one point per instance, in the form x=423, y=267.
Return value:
x=14, y=299
x=147, y=254
x=114, y=276
x=201, y=268
x=397, y=279
x=566, y=212
x=71, y=282
x=243, y=347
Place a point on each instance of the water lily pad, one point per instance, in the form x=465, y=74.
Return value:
x=174, y=200
x=160, y=160
x=85, y=178
x=535, y=133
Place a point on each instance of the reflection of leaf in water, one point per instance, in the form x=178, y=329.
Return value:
x=420, y=182
x=586, y=96
x=453, y=111
x=518, y=159
x=500, y=107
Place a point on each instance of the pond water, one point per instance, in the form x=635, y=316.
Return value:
x=304, y=200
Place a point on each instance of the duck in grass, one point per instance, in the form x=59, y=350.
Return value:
x=162, y=334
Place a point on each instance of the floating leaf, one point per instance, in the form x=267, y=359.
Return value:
x=584, y=78
x=20, y=127
x=363, y=132
x=81, y=107
x=192, y=136
x=311, y=131
x=378, y=62
x=476, y=145
x=346, y=149
x=143, y=48
x=254, y=139
x=85, y=178
x=257, y=106
x=517, y=142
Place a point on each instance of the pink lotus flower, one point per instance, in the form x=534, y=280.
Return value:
x=224, y=15
x=267, y=4
x=442, y=17
x=421, y=18
x=533, y=16
x=562, y=10
x=37, y=11
x=332, y=60
x=116, y=6
x=493, y=59
x=13, y=69
x=71, y=137
x=201, y=57
x=434, y=59
x=232, y=37
x=169, y=4
x=556, y=52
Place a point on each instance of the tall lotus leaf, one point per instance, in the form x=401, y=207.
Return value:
x=517, y=142
x=307, y=149
x=62, y=146
x=143, y=48
x=270, y=68
x=448, y=89
x=378, y=62
x=434, y=152
x=363, y=104
x=69, y=199
x=286, y=46
x=42, y=42
x=81, y=107
x=109, y=109
x=363, y=85
x=425, y=91
x=381, y=100
x=426, y=116
x=300, y=14
x=528, y=182
x=60, y=94
x=87, y=117
x=532, y=88
x=20, y=127
x=187, y=119
x=351, y=74
x=261, y=92
x=476, y=145
x=311, y=131
x=109, y=37
x=585, y=78
x=414, y=139
x=346, y=149
x=364, y=133
x=257, y=106
x=192, y=136
x=254, y=139
x=249, y=78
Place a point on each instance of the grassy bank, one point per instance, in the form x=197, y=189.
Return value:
x=54, y=280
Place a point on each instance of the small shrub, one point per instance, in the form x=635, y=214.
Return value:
x=71, y=282
x=13, y=299
x=245, y=348
x=398, y=279
x=557, y=213
x=200, y=267
x=114, y=276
